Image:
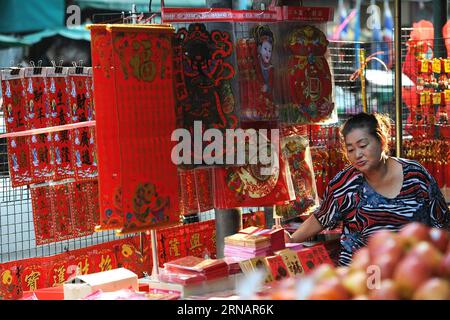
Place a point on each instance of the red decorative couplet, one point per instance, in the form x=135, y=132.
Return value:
x=107, y=130
x=62, y=154
x=42, y=215
x=103, y=259
x=84, y=156
x=79, y=205
x=93, y=201
x=58, y=98
x=80, y=94
x=15, y=120
x=143, y=191
x=195, y=188
x=62, y=215
x=37, y=114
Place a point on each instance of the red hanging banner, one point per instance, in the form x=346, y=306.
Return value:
x=84, y=157
x=41, y=201
x=60, y=115
x=196, y=194
x=15, y=121
x=142, y=197
x=83, y=224
x=107, y=130
x=37, y=114
x=62, y=215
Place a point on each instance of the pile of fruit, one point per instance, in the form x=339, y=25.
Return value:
x=411, y=264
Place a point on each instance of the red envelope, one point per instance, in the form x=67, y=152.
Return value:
x=277, y=267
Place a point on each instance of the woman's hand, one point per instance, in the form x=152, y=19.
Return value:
x=287, y=237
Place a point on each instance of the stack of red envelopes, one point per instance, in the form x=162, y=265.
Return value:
x=204, y=269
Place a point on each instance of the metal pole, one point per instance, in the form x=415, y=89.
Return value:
x=155, y=270
x=362, y=63
x=228, y=222
x=398, y=78
x=141, y=242
x=439, y=20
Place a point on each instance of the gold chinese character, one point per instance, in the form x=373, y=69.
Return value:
x=83, y=269
x=173, y=247
x=195, y=241
x=31, y=280
x=58, y=278
x=105, y=264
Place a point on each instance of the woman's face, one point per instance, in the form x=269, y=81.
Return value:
x=364, y=151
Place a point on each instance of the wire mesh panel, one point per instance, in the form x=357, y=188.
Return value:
x=17, y=240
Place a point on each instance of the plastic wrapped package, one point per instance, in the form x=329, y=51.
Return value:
x=206, y=85
x=255, y=47
x=196, y=190
x=304, y=79
x=296, y=152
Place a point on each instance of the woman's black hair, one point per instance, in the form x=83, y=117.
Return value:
x=378, y=125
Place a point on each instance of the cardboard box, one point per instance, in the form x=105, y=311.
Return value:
x=107, y=281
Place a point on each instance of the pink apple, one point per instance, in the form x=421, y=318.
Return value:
x=444, y=268
x=433, y=289
x=439, y=238
x=387, y=266
x=413, y=233
x=410, y=273
x=356, y=283
x=361, y=259
x=377, y=241
x=330, y=289
x=387, y=291
x=427, y=253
